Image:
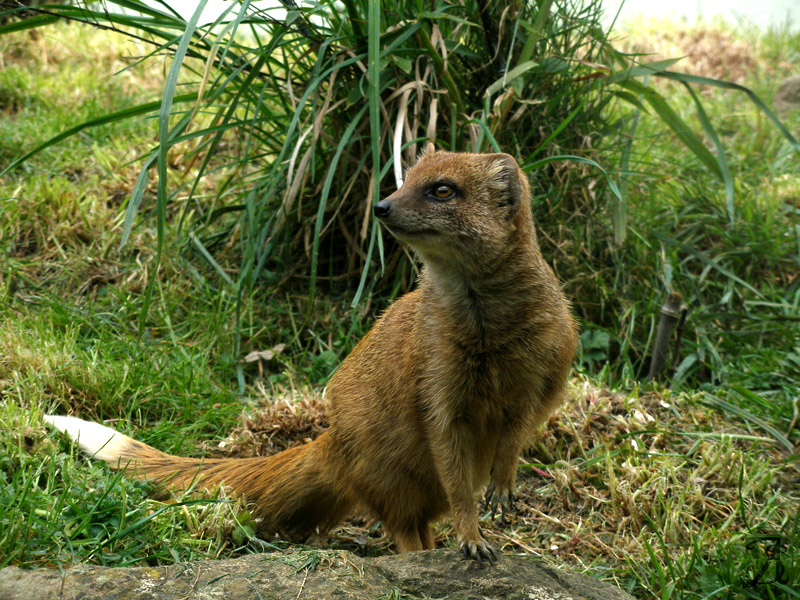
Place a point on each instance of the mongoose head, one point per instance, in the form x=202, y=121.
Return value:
x=455, y=206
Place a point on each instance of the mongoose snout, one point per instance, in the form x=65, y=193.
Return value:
x=382, y=209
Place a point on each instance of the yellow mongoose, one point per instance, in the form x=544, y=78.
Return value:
x=438, y=398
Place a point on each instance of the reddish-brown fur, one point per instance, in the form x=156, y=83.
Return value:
x=439, y=397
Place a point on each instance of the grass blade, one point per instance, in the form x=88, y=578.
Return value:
x=745, y=415
x=323, y=200
x=728, y=85
x=163, y=143
x=114, y=117
x=373, y=66
x=701, y=256
x=619, y=210
x=32, y=23
x=557, y=130
x=136, y=198
x=678, y=125
x=210, y=259
x=581, y=159
x=721, y=160
x=536, y=34
x=653, y=68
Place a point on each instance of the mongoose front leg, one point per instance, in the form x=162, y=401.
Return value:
x=500, y=491
x=453, y=454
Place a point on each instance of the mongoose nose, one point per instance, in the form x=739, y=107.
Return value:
x=382, y=209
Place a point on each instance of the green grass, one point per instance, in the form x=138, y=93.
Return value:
x=738, y=275
x=71, y=302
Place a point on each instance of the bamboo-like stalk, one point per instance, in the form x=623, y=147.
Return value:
x=670, y=314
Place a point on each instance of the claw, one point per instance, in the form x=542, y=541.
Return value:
x=474, y=553
x=508, y=507
x=504, y=498
x=489, y=494
x=491, y=554
x=480, y=551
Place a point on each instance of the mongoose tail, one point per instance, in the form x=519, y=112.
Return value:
x=318, y=500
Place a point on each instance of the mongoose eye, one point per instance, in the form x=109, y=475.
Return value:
x=442, y=192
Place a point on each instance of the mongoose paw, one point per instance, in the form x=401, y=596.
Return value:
x=478, y=550
x=502, y=497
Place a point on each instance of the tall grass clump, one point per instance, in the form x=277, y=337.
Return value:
x=318, y=110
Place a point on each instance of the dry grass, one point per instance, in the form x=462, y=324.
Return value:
x=625, y=463
x=609, y=474
x=708, y=50
x=286, y=420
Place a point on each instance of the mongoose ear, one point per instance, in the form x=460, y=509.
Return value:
x=428, y=150
x=506, y=178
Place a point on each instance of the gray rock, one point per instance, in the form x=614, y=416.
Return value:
x=312, y=574
x=788, y=94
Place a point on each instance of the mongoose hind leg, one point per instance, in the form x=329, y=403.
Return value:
x=411, y=535
x=406, y=539
x=426, y=536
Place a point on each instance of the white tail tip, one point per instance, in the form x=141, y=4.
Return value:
x=97, y=440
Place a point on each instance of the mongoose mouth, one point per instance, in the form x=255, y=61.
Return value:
x=409, y=235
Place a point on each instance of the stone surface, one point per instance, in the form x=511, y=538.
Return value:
x=312, y=574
